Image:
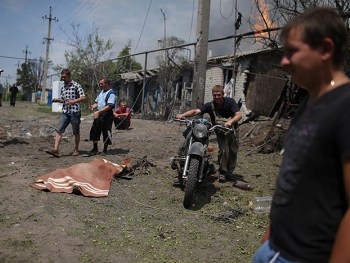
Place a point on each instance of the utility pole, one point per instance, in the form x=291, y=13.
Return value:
x=201, y=51
x=164, y=39
x=46, y=63
x=235, y=67
x=26, y=52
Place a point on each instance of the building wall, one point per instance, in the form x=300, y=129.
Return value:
x=214, y=76
x=265, y=83
x=240, y=85
x=257, y=84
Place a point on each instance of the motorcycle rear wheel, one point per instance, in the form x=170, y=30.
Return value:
x=191, y=180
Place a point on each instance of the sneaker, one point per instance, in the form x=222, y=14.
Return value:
x=53, y=153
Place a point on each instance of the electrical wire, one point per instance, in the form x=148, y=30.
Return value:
x=84, y=12
x=232, y=9
x=143, y=26
x=189, y=37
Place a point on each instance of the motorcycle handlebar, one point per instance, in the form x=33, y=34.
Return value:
x=218, y=126
x=182, y=120
x=213, y=128
x=185, y=120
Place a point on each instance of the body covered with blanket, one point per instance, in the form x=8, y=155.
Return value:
x=91, y=179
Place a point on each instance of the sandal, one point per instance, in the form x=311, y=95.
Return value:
x=53, y=153
x=75, y=153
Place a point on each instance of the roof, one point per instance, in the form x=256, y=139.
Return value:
x=241, y=54
x=139, y=75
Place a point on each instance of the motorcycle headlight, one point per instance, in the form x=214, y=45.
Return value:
x=200, y=131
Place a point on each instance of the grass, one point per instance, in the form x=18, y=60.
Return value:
x=44, y=109
x=48, y=110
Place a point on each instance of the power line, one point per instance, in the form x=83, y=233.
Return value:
x=144, y=23
x=18, y=58
x=83, y=12
x=221, y=11
x=189, y=36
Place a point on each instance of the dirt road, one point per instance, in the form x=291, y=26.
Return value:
x=142, y=219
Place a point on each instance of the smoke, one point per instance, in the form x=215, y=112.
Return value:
x=223, y=21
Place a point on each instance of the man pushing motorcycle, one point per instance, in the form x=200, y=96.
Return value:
x=222, y=111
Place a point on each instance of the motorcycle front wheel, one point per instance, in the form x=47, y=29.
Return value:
x=191, y=180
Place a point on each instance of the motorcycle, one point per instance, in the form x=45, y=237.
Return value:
x=193, y=160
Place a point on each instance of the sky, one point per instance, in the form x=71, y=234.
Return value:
x=24, y=26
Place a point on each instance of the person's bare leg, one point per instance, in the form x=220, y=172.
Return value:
x=58, y=140
x=76, y=149
x=55, y=150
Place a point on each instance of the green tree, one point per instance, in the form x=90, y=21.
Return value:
x=26, y=79
x=90, y=59
x=37, y=71
x=126, y=62
x=29, y=75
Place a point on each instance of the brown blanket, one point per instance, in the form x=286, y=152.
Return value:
x=92, y=179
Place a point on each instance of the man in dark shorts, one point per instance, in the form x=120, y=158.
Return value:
x=103, y=117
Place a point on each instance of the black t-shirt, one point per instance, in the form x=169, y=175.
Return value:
x=310, y=200
x=228, y=110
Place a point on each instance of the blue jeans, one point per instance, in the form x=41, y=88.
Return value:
x=66, y=118
x=265, y=254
